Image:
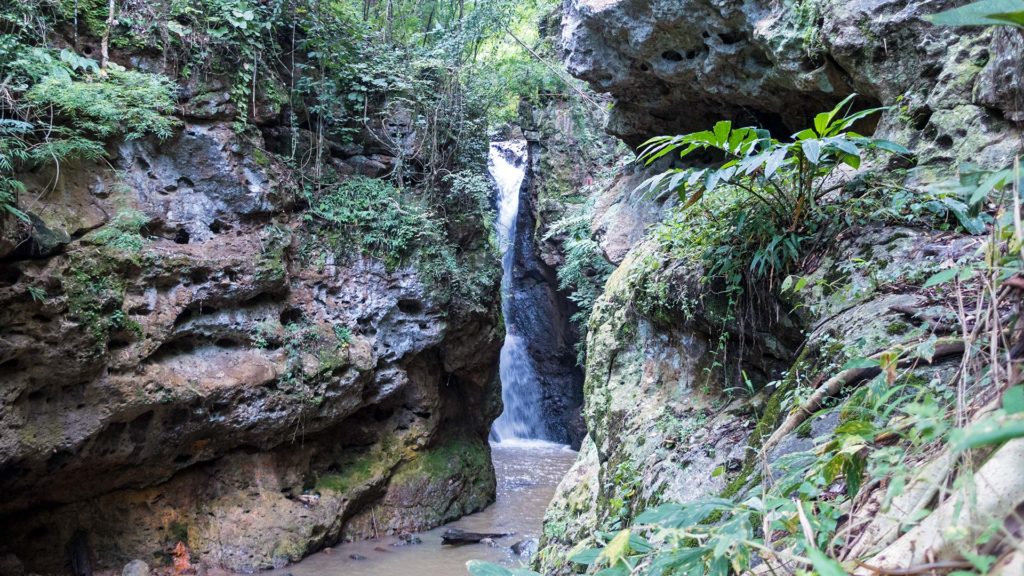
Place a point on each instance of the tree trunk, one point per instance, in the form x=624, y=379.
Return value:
x=105, y=42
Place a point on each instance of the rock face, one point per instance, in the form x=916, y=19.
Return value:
x=660, y=424
x=677, y=66
x=541, y=314
x=181, y=364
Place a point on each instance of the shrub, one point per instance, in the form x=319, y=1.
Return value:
x=776, y=188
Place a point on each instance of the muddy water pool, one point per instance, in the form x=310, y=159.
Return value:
x=528, y=473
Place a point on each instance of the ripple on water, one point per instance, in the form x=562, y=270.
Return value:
x=528, y=472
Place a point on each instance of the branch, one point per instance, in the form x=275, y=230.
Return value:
x=557, y=72
x=943, y=348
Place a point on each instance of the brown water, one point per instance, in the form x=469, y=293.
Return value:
x=528, y=473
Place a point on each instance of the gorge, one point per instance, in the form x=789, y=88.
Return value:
x=295, y=286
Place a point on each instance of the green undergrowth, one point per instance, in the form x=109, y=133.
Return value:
x=375, y=218
x=94, y=288
x=457, y=456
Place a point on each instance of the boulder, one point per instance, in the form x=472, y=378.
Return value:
x=135, y=568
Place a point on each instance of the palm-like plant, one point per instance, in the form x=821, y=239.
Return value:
x=789, y=178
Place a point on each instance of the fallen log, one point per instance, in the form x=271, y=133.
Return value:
x=456, y=537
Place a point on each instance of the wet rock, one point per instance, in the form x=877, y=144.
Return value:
x=202, y=175
x=10, y=565
x=135, y=568
x=212, y=384
x=525, y=548
x=407, y=539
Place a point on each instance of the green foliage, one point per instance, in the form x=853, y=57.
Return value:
x=124, y=102
x=886, y=427
x=60, y=106
x=370, y=214
x=379, y=220
x=123, y=233
x=786, y=181
x=585, y=270
x=962, y=202
x=978, y=188
x=94, y=292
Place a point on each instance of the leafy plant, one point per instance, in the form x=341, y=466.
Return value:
x=789, y=178
x=585, y=270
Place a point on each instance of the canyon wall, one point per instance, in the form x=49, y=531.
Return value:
x=184, y=357
x=681, y=393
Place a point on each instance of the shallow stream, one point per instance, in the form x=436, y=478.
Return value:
x=528, y=473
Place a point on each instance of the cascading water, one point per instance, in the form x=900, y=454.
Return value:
x=520, y=388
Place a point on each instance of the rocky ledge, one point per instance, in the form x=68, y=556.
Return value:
x=180, y=362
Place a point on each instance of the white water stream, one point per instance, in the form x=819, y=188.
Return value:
x=520, y=389
x=527, y=467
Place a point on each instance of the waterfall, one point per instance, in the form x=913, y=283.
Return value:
x=520, y=388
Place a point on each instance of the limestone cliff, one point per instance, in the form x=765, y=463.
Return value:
x=664, y=419
x=184, y=358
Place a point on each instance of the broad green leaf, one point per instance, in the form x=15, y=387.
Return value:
x=775, y=161
x=812, y=150
x=983, y=13
x=853, y=471
x=851, y=161
x=821, y=122
x=683, y=515
x=688, y=561
x=824, y=565
x=890, y=147
x=992, y=430
x=994, y=180
x=942, y=277
x=617, y=549
x=926, y=350
x=1013, y=399
x=639, y=545
x=722, y=129
x=805, y=134
x=586, y=557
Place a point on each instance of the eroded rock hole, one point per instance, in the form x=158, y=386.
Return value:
x=921, y=118
x=945, y=141
x=218, y=226
x=118, y=344
x=10, y=277
x=730, y=37
x=226, y=343
x=181, y=236
x=290, y=316
x=409, y=306
x=673, y=56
